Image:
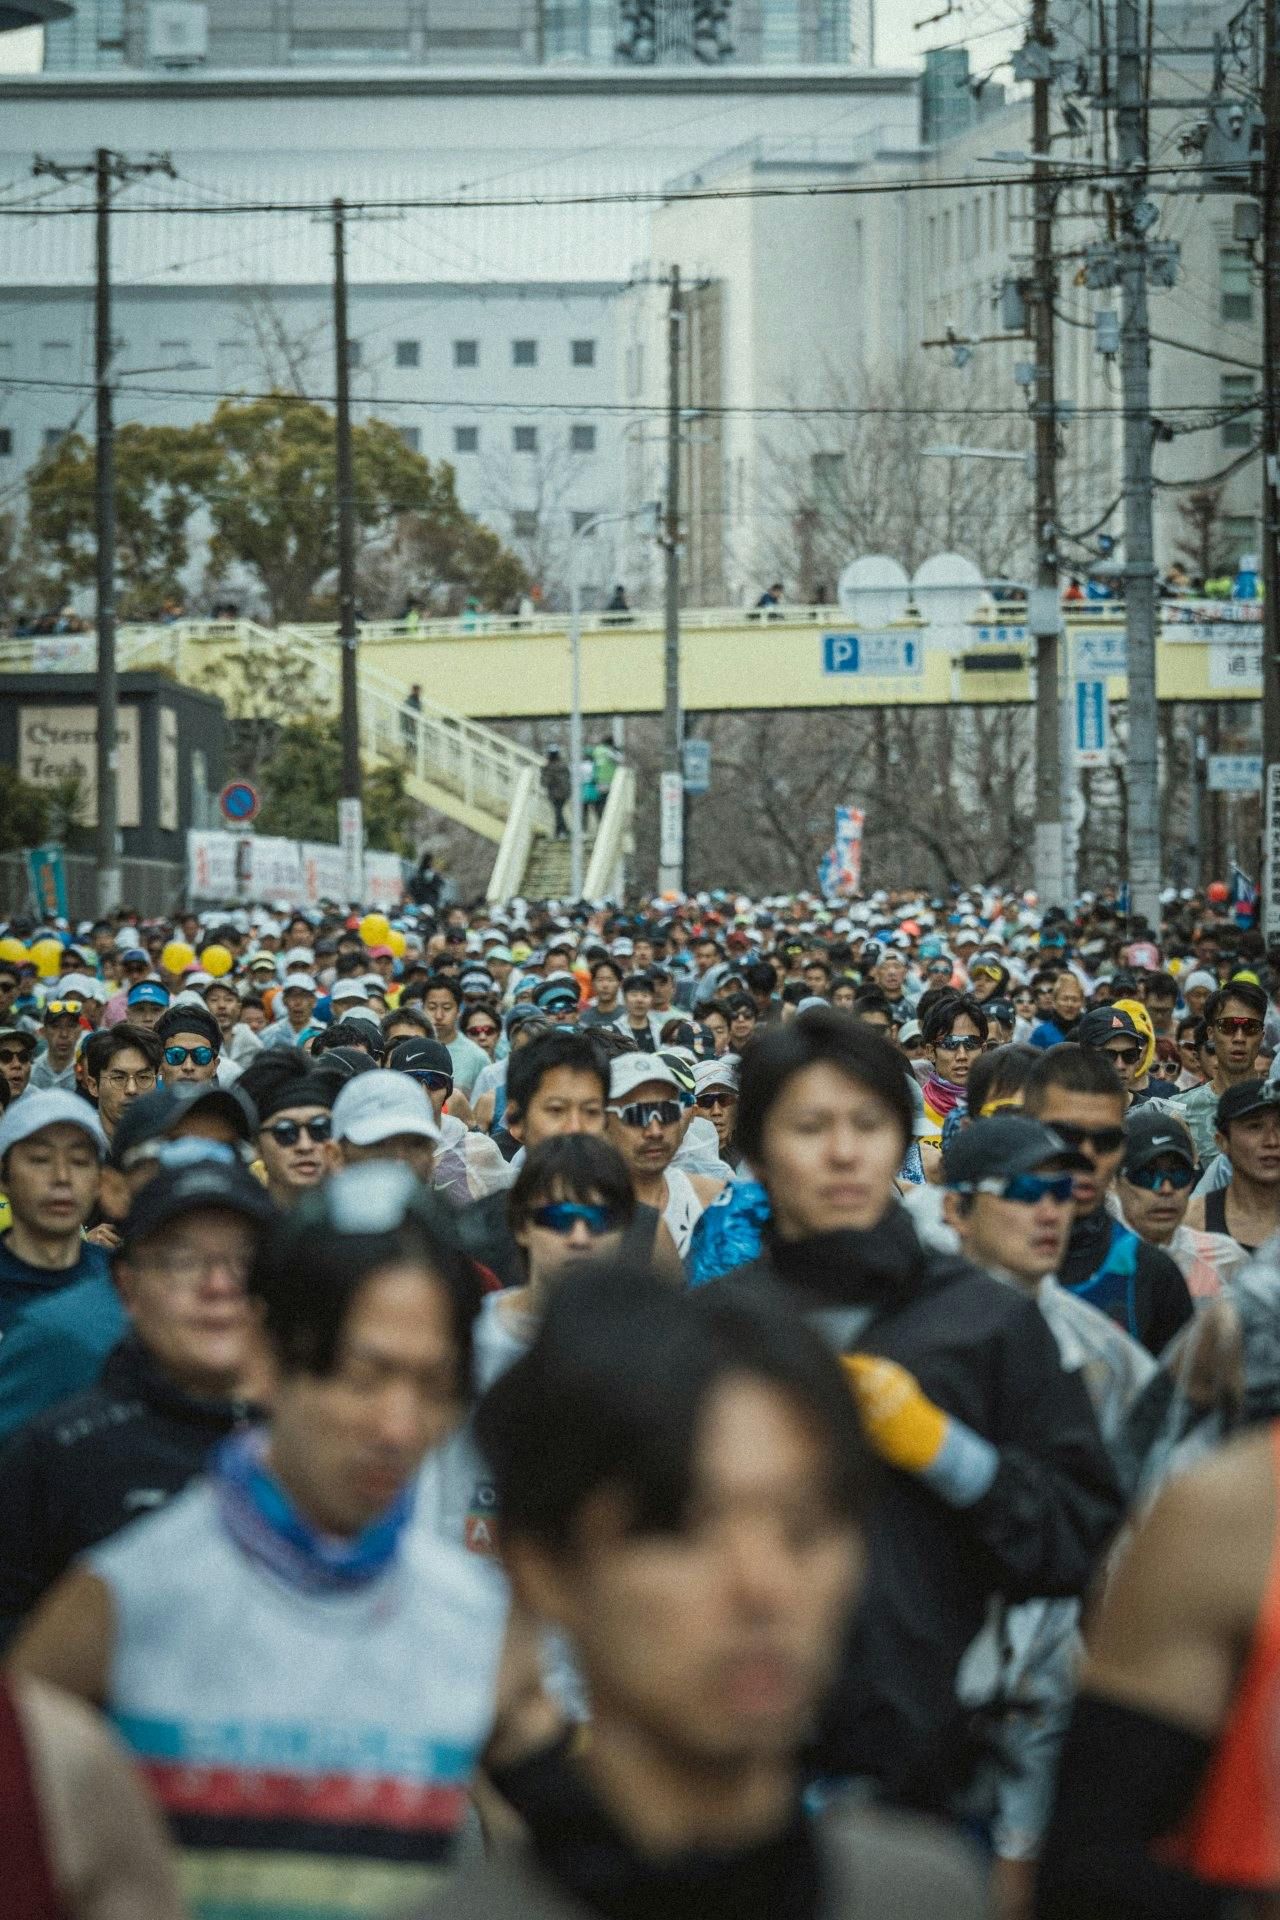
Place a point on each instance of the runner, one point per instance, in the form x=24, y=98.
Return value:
x=1024, y=1500
x=1234, y=1017
x=1247, y=1208
x=707, y=1634
x=325, y=1754
x=1154, y=1190
x=1077, y=1093
x=645, y=1125
x=181, y=1380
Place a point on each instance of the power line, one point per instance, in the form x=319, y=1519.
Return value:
x=628, y=409
x=637, y=196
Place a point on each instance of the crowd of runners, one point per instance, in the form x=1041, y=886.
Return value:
x=712, y=1409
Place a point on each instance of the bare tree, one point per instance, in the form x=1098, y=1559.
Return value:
x=858, y=478
x=288, y=360
x=529, y=496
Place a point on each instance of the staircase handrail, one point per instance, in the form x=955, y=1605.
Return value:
x=612, y=842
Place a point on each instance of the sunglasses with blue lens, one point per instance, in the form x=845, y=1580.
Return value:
x=1028, y=1189
x=175, y=1056
x=562, y=1216
x=1151, y=1179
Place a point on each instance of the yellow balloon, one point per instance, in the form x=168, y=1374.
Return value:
x=12, y=949
x=397, y=943
x=177, y=957
x=47, y=955
x=216, y=960
x=375, y=930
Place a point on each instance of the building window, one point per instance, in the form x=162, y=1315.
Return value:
x=1239, y=536
x=826, y=477
x=408, y=353
x=353, y=353
x=582, y=438
x=524, y=353
x=524, y=524
x=1237, y=389
x=466, y=353
x=582, y=516
x=412, y=437
x=1235, y=279
x=52, y=437
x=6, y=442
x=466, y=439
x=582, y=353
x=524, y=439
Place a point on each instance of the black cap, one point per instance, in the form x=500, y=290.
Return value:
x=1251, y=1096
x=1150, y=1132
x=299, y=1090
x=1004, y=1145
x=153, y=1115
x=1100, y=1024
x=175, y=1191
x=190, y=1019
x=420, y=1055
x=24, y=1034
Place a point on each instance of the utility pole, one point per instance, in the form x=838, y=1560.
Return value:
x=350, y=808
x=103, y=169
x=1270, y=199
x=1136, y=215
x=1053, y=761
x=671, y=810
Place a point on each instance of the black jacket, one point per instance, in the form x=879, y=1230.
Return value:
x=88, y=1466
x=983, y=1353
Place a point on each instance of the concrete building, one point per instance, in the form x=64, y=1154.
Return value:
x=485, y=321
x=277, y=34
x=817, y=293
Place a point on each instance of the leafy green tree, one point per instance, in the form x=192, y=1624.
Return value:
x=274, y=508
x=302, y=782
x=162, y=474
x=24, y=811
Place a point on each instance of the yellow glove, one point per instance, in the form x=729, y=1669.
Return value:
x=899, y=1420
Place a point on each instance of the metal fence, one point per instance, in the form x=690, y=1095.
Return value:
x=154, y=887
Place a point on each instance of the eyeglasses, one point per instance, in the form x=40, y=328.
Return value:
x=287, y=1133
x=433, y=1080
x=201, y=1056
x=642, y=1113
x=961, y=1043
x=481, y=1033
x=1124, y=1056
x=1103, y=1140
x=57, y=1009
x=562, y=1216
x=144, y=1079
x=1151, y=1179
x=1245, y=1023
x=183, y=1269
x=184, y=1153
x=718, y=1097
x=1027, y=1189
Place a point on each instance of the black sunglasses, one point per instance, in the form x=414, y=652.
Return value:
x=287, y=1133
x=1103, y=1140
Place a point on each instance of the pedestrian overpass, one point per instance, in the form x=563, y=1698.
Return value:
x=484, y=668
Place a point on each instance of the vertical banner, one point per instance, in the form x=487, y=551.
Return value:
x=48, y=882
x=671, y=820
x=840, y=872
x=351, y=840
x=1271, y=854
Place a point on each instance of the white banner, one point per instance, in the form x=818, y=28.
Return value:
x=251, y=866
x=211, y=866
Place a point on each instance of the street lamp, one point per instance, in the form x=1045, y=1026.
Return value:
x=576, y=539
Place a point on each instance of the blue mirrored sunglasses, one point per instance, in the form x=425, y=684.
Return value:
x=562, y=1216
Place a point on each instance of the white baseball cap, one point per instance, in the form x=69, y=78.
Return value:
x=348, y=990
x=627, y=1071
x=716, y=1073
x=55, y=1107
x=305, y=980
x=378, y=1105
